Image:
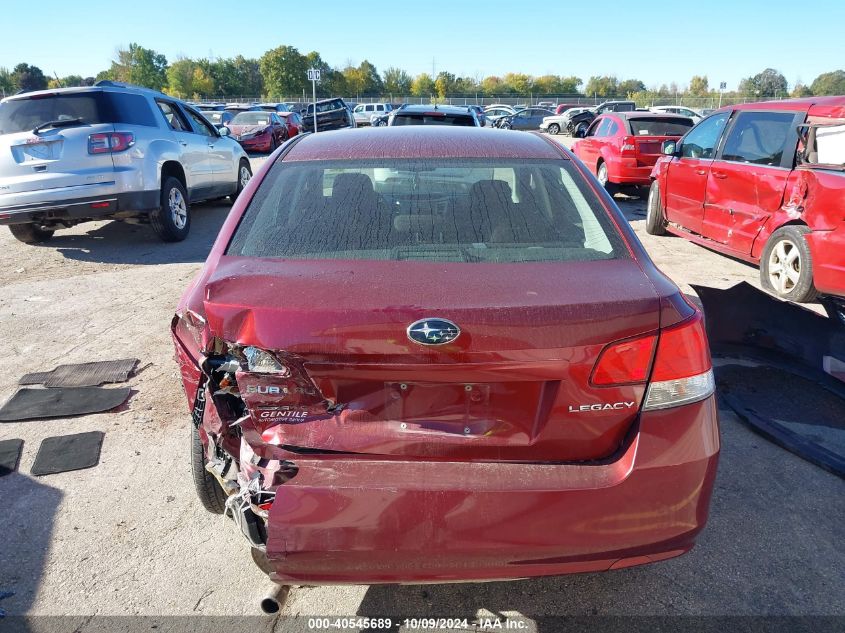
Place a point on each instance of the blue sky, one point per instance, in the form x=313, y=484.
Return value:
x=651, y=40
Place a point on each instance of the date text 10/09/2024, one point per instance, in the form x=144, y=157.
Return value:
x=357, y=623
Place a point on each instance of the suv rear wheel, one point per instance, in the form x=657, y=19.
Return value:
x=30, y=233
x=172, y=220
x=786, y=266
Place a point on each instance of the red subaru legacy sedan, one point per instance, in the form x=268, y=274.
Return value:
x=423, y=354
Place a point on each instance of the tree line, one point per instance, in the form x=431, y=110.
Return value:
x=281, y=73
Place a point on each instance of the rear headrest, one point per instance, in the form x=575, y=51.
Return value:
x=414, y=223
x=491, y=191
x=352, y=184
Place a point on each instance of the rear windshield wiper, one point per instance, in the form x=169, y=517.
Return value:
x=59, y=123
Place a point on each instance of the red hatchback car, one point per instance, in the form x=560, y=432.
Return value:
x=762, y=182
x=621, y=148
x=428, y=353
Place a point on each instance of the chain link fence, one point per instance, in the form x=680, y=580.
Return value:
x=642, y=100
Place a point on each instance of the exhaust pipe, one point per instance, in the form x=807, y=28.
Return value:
x=274, y=599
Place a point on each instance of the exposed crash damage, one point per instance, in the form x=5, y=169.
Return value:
x=520, y=418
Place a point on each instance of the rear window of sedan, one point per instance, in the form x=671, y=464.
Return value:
x=251, y=118
x=659, y=126
x=444, y=210
x=424, y=118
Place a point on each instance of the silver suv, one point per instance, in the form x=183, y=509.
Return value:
x=113, y=151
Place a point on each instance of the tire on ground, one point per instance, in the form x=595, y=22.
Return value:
x=30, y=233
x=610, y=187
x=244, y=164
x=655, y=219
x=210, y=493
x=164, y=219
x=797, y=286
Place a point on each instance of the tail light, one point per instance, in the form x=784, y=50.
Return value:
x=681, y=371
x=624, y=362
x=629, y=146
x=110, y=142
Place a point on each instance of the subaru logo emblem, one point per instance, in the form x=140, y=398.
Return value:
x=433, y=331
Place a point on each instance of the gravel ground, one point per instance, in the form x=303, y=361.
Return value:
x=129, y=536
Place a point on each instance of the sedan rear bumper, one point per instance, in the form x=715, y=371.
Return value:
x=351, y=520
x=628, y=171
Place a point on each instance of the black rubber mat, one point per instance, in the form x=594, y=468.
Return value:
x=10, y=455
x=83, y=374
x=799, y=414
x=35, y=404
x=68, y=452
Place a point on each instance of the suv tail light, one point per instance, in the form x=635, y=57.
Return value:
x=110, y=142
x=681, y=371
x=629, y=146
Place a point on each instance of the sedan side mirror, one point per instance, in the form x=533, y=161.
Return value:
x=224, y=131
x=669, y=148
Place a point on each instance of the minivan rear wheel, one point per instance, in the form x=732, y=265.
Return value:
x=30, y=233
x=655, y=219
x=786, y=266
x=172, y=220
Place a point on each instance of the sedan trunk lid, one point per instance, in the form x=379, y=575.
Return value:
x=514, y=385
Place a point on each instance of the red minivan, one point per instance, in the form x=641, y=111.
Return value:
x=621, y=148
x=430, y=353
x=762, y=182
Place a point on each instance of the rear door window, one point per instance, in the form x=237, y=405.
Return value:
x=761, y=138
x=443, y=210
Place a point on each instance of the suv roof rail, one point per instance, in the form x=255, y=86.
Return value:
x=109, y=83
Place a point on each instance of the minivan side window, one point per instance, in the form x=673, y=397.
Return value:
x=759, y=137
x=702, y=139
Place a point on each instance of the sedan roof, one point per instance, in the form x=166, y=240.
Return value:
x=422, y=141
